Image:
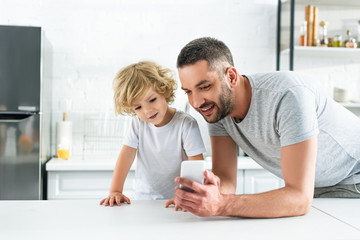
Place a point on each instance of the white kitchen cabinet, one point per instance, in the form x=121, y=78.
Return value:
x=84, y=184
x=80, y=179
x=260, y=180
x=240, y=182
x=96, y=184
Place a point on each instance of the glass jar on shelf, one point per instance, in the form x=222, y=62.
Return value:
x=350, y=42
x=337, y=41
x=330, y=41
x=323, y=39
x=303, y=33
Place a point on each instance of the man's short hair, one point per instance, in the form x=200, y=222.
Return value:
x=215, y=52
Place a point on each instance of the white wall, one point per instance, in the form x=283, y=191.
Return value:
x=87, y=42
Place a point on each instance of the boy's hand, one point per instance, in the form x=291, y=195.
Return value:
x=172, y=202
x=115, y=197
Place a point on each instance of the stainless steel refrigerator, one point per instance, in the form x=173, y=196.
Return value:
x=24, y=115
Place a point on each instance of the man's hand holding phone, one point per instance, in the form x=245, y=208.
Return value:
x=192, y=170
x=204, y=199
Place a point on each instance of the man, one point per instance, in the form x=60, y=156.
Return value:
x=281, y=120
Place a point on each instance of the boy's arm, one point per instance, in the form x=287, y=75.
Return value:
x=224, y=162
x=123, y=164
x=122, y=167
x=196, y=157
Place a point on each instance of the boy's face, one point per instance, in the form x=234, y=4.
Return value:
x=152, y=108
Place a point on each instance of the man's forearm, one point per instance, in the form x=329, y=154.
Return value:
x=282, y=202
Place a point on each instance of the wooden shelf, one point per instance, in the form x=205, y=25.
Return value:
x=350, y=3
x=286, y=25
x=324, y=51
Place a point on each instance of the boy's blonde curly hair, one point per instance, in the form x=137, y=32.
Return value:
x=133, y=81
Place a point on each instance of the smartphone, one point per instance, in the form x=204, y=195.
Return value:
x=193, y=170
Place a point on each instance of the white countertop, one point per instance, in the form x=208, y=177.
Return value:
x=78, y=164
x=70, y=219
x=346, y=210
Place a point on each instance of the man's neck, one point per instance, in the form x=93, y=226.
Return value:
x=242, y=98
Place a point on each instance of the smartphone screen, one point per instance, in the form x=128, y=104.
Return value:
x=193, y=170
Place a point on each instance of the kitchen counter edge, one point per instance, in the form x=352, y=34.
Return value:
x=79, y=164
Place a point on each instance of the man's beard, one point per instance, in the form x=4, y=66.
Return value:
x=225, y=107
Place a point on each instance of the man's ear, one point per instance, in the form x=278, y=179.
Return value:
x=231, y=76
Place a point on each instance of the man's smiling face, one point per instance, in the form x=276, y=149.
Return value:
x=206, y=91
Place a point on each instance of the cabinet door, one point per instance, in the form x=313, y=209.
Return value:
x=240, y=182
x=256, y=181
x=84, y=184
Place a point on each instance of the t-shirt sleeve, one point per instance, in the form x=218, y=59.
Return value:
x=296, y=117
x=192, y=141
x=131, y=138
x=217, y=129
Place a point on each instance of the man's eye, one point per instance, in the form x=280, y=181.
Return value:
x=137, y=108
x=187, y=92
x=153, y=100
x=205, y=87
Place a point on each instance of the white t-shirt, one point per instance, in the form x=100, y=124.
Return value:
x=160, y=151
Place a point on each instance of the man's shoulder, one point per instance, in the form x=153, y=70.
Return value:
x=279, y=81
x=278, y=75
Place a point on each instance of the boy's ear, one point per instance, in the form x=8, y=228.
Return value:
x=166, y=95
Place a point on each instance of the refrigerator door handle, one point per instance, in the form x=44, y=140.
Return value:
x=15, y=117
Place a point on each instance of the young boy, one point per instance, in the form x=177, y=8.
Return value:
x=160, y=137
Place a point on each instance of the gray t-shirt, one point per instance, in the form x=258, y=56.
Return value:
x=287, y=108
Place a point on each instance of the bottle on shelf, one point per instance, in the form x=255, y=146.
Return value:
x=64, y=137
x=311, y=16
x=330, y=41
x=303, y=34
x=323, y=39
x=350, y=42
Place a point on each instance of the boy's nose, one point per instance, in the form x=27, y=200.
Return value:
x=148, y=111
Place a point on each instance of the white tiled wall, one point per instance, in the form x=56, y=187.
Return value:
x=87, y=41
